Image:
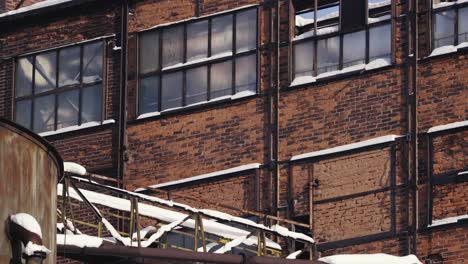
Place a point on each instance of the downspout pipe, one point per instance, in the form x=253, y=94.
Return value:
x=122, y=145
x=414, y=125
x=276, y=112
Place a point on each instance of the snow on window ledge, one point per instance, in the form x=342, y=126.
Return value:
x=370, y=259
x=448, y=49
x=372, y=20
x=236, y=96
x=444, y=4
x=348, y=147
x=375, y=64
x=447, y=126
x=448, y=220
x=205, y=176
x=75, y=128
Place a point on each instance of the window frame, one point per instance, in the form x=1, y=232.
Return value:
x=188, y=65
x=340, y=34
x=57, y=90
x=456, y=8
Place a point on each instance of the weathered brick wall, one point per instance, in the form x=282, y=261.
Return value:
x=450, y=200
x=238, y=191
x=187, y=145
x=443, y=91
x=450, y=152
x=341, y=112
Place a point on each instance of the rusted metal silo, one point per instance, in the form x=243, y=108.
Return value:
x=29, y=170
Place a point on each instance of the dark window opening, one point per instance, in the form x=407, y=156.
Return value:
x=449, y=23
x=59, y=88
x=343, y=37
x=201, y=60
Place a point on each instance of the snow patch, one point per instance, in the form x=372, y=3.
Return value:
x=320, y=31
x=217, y=56
x=448, y=220
x=28, y=222
x=448, y=49
x=463, y=173
x=31, y=248
x=370, y=259
x=74, y=168
x=379, y=4
x=74, y=128
x=80, y=241
x=205, y=176
x=162, y=214
x=150, y=114
x=378, y=63
x=294, y=255
x=352, y=146
x=304, y=20
x=447, y=126
x=36, y=6
x=372, y=20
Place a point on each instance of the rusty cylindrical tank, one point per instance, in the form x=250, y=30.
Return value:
x=29, y=170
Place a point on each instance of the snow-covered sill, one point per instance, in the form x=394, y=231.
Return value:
x=445, y=4
x=375, y=64
x=448, y=49
x=205, y=176
x=348, y=147
x=447, y=126
x=448, y=220
x=236, y=96
x=75, y=128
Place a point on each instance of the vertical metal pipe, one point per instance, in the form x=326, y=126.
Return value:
x=415, y=126
x=123, y=94
x=276, y=114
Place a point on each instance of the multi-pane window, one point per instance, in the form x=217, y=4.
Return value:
x=332, y=46
x=198, y=61
x=59, y=88
x=449, y=23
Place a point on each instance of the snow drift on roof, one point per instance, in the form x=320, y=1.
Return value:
x=370, y=259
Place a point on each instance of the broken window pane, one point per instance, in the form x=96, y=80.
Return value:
x=197, y=40
x=91, y=104
x=246, y=30
x=380, y=42
x=149, y=52
x=24, y=72
x=68, y=109
x=444, y=28
x=92, y=62
x=44, y=114
x=221, y=79
x=303, y=59
x=221, y=35
x=328, y=54
x=23, y=113
x=45, y=75
x=69, y=66
x=197, y=84
x=354, y=48
x=246, y=73
x=173, y=45
x=463, y=25
x=148, y=95
x=171, y=92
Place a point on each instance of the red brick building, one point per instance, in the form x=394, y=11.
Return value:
x=354, y=122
